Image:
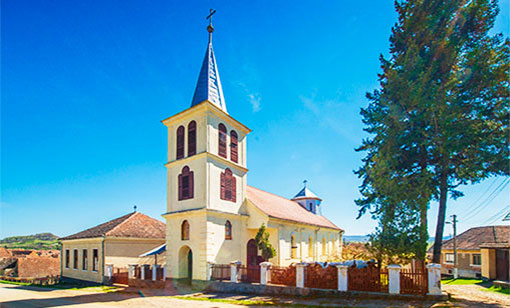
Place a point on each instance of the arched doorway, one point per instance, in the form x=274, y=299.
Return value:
x=185, y=262
x=252, y=263
x=251, y=253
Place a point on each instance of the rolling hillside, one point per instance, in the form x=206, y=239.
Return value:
x=41, y=241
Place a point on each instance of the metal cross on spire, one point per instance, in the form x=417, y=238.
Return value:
x=210, y=28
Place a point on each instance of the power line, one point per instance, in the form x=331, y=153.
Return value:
x=496, y=216
x=488, y=200
x=471, y=206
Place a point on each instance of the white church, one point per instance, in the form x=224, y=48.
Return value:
x=212, y=214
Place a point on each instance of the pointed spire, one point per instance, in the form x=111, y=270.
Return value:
x=209, y=84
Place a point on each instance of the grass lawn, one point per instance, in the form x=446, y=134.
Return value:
x=462, y=281
x=488, y=286
x=65, y=286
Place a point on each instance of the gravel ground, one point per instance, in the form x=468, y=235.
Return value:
x=22, y=296
x=474, y=296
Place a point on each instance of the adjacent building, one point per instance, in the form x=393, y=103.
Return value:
x=118, y=242
x=481, y=252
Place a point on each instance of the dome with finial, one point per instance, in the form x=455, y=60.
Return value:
x=307, y=199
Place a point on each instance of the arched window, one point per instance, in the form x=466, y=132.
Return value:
x=293, y=247
x=324, y=248
x=228, y=230
x=228, y=186
x=233, y=146
x=222, y=140
x=310, y=247
x=185, y=184
x=180, y=142
x=185, y=230
x=192, y=138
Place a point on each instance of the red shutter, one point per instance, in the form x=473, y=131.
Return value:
x=222, y=140
x=179, y=180
x=222, y=186
x=180, y=142
x=192, y=138
x=233, y=146
x=191, y=188
x=233, y=187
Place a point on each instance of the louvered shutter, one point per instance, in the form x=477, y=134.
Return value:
x=191, y=185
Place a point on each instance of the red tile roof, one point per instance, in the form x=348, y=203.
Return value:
x=283, y=208
x=480, y=236
x=133, y=224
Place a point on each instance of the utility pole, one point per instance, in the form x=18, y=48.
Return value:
x=455, y=269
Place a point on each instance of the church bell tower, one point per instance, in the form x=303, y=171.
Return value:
x=206, y=170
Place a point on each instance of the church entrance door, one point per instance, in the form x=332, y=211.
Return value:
x=252, y=273
x=185, y=262
x=190, y=265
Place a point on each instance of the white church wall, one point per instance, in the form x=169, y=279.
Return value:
x=198, y=165
x=219, y=249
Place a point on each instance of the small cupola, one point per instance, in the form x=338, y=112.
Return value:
x=307, y=199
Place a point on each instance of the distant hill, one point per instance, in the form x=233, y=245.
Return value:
x=364, y=238
x=356, y=238
x=41, y=241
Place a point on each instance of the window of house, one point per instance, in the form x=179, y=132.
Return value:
x=84, y=260
x=228, y=186
x=233, y=146
x=449, y=257
x=477, y=259
x=180, y=142
x=75, y=259
x=222, y=140
x=95, y=260
x=185, y=230
x=324, y=248
x=67, y=258
x=310, y=247
x=192, y=138
x=293, y=247
x=228, y=230
x=185, y=184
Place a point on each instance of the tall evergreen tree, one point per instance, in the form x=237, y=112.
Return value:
x=440, y=117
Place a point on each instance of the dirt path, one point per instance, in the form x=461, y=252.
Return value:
x=474, y=296
x=21, y=296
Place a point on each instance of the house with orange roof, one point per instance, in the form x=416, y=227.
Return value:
x=118, y=242
x=212, y=215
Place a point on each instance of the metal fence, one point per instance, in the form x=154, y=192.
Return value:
x=250, y=273
x=413, y=282
x=220, y=272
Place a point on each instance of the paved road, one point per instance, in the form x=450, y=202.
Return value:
x=21, y=296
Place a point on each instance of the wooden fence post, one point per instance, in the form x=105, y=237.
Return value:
x=342, y=277
x=434, y=276
x=234, y=266
x=394, y=278
x=265, y=273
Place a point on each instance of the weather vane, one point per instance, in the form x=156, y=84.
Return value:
x=304, y=182
x=134, y=207
x=210, y=28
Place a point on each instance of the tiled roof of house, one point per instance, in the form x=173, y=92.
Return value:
x=133, y=224
x=283, y=208
x=474, y=238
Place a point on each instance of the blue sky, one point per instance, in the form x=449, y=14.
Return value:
x=86, y=83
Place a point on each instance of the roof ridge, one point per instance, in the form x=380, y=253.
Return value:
x=131, y=215
x=272, y=194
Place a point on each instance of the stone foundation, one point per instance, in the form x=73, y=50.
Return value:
x=246, y=288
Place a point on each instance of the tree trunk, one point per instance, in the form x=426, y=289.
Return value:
x=438, y=241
